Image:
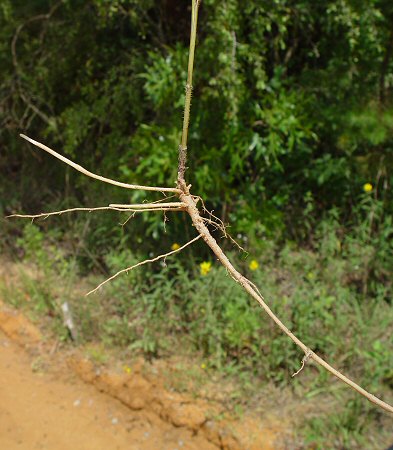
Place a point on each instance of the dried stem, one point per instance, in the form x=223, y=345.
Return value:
x=165, y=255
x=149, y=205
x=198, y=222
x=100, y=208
x=98, y=177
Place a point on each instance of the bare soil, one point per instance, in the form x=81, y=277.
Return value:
x=54, y=400
x=51, y=411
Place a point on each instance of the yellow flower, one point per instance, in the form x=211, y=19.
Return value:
x=127, y=369
x=253, y=265
x=175, y=246
x=368, y=187
x=205, y=267
x=203, y=366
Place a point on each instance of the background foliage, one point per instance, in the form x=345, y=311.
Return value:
x=292, y=116
x=292, y=110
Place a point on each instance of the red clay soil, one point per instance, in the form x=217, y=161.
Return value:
x=44, y=411
x=48, y=404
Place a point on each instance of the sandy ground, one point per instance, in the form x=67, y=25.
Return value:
x=55, y=398
x=44, y=410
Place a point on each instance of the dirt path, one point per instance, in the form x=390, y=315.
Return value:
x=40, y=410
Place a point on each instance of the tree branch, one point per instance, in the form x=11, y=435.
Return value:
x=25, y=97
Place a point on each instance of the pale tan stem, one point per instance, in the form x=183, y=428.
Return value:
x=100, y=208
x=98, y=177
x=165, y=255
x=149, y=205
x=199, y=224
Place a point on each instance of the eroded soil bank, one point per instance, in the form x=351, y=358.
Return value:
x=51, y=399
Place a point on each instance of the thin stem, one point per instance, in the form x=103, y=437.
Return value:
x=187, y=103
x=93, y=175
x=150, y=205
x=165, y=255
x=100, y=208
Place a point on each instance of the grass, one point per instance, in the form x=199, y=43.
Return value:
x=209, y=322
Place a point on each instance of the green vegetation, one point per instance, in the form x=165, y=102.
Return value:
x=291, y=142
x=324, y=295
x=291, y=113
